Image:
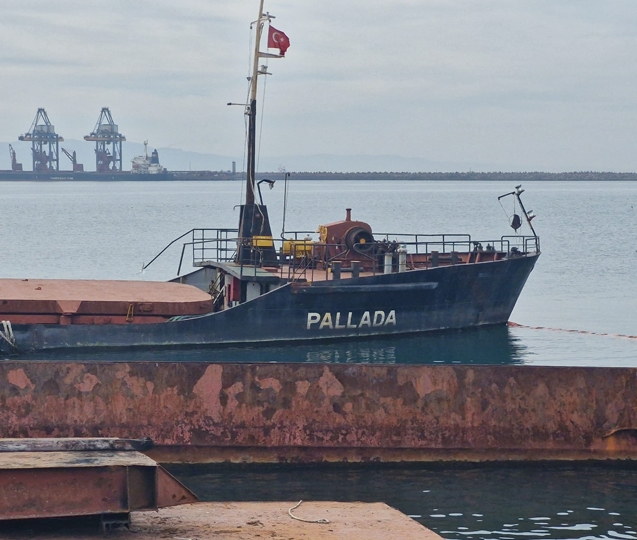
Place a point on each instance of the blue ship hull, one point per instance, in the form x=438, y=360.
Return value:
x=449, y=297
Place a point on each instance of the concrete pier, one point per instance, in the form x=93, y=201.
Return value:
x=252, y=521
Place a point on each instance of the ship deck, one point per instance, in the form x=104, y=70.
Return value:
x=301, y=270
x=53, y=301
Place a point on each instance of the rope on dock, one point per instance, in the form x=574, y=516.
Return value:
x=323, y=521
x=7, y=334
x=516, y=325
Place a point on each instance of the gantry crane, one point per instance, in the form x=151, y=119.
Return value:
x=15, y=166
x=108, y=143
x=43, y=137
x=77, y=167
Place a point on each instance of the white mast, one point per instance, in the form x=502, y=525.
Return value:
x=251, y=109
x=257, y=44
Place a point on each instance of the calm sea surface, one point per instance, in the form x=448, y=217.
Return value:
x=582, y=293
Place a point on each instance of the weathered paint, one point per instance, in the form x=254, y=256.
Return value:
x=35, y=493
x=44, y=484
x=314, y=412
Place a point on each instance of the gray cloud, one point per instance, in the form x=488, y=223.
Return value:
x=527, y=84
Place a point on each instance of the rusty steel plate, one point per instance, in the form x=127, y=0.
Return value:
x=291, y=411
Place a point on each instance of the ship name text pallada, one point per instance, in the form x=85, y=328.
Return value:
x=339, y=320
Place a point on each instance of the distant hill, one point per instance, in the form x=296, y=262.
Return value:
x=513, y=177
x=181, y=160
x=363, y=163
x=171, y=158
x=311, y=167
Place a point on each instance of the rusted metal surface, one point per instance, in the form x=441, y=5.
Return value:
x=77, y=444
x=170, y=492
x=45, y=484
x=36, y=493
x=62, y=301
x=313, y=412
x=72, y=460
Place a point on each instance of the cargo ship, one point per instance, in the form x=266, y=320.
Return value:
x=250, y=288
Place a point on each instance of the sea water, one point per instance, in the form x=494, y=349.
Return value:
x=579, y=307
x=503, y=502
x=582, y=292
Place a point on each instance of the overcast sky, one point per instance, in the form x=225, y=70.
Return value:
x=522, y=84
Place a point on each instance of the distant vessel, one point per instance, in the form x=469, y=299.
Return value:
x=143, y=168
x=252, y=288
x=147, y=165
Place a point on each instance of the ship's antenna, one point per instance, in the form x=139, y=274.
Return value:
x=517, y=192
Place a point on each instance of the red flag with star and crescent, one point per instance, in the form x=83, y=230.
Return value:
x=278, y=40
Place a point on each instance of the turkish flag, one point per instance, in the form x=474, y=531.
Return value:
x=278, y=40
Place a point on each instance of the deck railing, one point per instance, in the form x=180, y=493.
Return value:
x=299, y=254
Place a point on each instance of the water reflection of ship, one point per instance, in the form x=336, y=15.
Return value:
x=492, y=345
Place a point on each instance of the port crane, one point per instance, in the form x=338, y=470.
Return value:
x=77, y=167
x=15, y=166
x=108, y=143
x=45, y=143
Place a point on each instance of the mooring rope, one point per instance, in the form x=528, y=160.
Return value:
x=323, y=521
x=7, y=334
x=516, y=325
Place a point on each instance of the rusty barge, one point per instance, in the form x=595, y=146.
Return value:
x=249, y=287
x=288, y=413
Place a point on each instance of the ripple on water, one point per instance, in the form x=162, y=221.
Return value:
x=615, y=534
x=578, y=527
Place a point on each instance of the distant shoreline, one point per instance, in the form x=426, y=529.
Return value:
x=467, y=176
x=214, y=176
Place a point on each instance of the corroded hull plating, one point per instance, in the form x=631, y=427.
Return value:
x=450, y=297
x=312, y=412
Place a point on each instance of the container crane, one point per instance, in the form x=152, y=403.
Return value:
x=77, y=167
x=15, y=166
x=45, y=143
x=108, y=143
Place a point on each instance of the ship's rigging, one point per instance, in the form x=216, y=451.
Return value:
x=253, y=221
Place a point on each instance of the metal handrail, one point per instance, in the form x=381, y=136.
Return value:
x=221, y=245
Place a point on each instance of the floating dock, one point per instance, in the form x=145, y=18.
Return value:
x=277, y=413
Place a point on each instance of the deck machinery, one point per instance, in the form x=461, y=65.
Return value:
x=108, y=143
x=45, y=143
